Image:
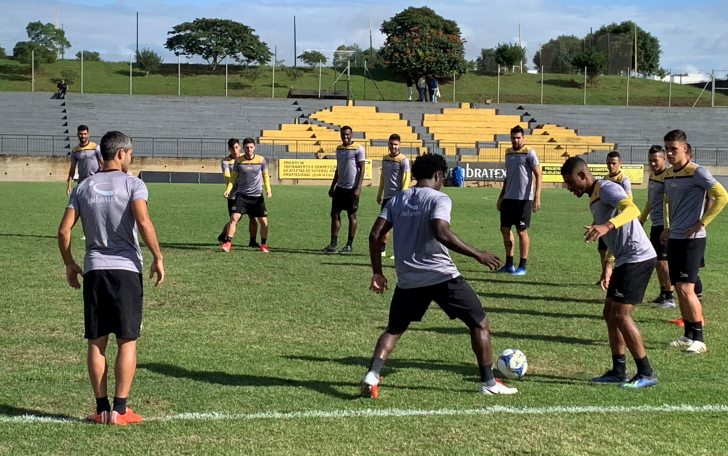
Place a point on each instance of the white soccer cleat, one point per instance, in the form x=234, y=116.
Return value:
x=681, y=342
x=696, y=347
x=370, y=385
x=498, y=388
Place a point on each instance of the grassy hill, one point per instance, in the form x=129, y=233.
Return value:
x=198, y=80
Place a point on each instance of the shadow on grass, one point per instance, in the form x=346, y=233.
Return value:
x=9, y=410
x=568, y=83
x=527, y=282
x=189, y=246
x=540, y=298
x=541, y=337
x=224, y=378
x=41, y=236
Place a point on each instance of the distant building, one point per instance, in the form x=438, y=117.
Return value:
x=685, y=78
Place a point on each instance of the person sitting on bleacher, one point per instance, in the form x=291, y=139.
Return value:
x=62, y=89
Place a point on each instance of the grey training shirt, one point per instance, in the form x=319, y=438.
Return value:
x=346, y=159
x=519, y=173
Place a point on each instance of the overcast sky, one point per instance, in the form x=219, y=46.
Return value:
x=693, y=36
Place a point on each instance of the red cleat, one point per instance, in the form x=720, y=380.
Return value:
x=264, y=248
x=127, y=418
x=681, y=322
x=226, y=246
x=98, y=418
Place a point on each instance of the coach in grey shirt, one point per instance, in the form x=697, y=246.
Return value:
x=112, y=205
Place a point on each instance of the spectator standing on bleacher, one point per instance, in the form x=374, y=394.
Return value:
x=434, y=89
x=410, y=83
x=422, y=88
x=62, y=89
x=88, y=156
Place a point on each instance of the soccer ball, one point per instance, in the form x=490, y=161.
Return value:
x=512, y=363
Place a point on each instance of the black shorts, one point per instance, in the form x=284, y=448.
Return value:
x=384, y=202
x=515, y=212
x=629, y=281
x=659, y=247
x=456, y=297
x=231, y=205
x=254, y=206
x=684, y=258
x=112, y=303
x=344, y=200
x=601, y=245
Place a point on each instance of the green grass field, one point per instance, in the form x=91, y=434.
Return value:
x=197, y=80
x=247, y=335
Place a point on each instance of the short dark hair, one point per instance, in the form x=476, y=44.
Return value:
x=614, y=154
x=690, y=149
x=517, y=129
x=676, y=135
x=346, y=127
x=111, y=142
x=232, y=142
x=394, y=137
x=656, y=149
x=573, y=165
x=426, y=165
x=248, y=141
x=82, y=128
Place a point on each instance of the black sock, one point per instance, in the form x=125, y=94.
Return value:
x=350, y=241
x=120, y=405
x=668, y=295
x=376, y=365
x=486, y=374
x=509, y=260
x=252, y=240
x=384, y=246
x=698, y=286
x=263, y=240
x=522, y=263
x=697, y=331
x=643, y=367
x=102, y=404
x=663, y=293
x=228, y=239
x=688, y=326
x=334, y=240
x=619, y=364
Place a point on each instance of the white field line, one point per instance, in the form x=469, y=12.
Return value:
x=378, y=413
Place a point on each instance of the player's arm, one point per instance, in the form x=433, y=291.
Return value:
x=149, y=235
x=627, y=184
x=359, y=178
x=606, y=270
x=381, y=186
x=720, y=198
x=445, y=236
x=99, y=157
x=645, y=212
x=376, y=238
x=230, y=181
x=537, y=190
x=266, y=183
x=333, y=182
x=666, y=220
x=500, y=195
x=71, y=172
x=406, y=179
x=628, y=211
x=70, y=216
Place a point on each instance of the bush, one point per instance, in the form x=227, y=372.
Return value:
x=148, y=61
x=23, y=51
x=88, y=56
x=2, y=52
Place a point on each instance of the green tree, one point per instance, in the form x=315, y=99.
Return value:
x=148, y=61
x=312, y=58
x=486, y=61
x=2, y=52
x=556, y=55
x=620, y=39
x=420, y=41
x=48, y=36
x=594, y=61
x=293, y=74
x=215, y=39
x=251, y=73
x=88, y=56
x=508, y=54
x=23, y=51
x=345, y=54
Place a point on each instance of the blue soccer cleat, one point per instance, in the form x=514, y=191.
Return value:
x=610, y=377
x=509, y=268
x=519, y=272
x=640, y=381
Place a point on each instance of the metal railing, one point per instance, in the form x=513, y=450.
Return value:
x=299, y=149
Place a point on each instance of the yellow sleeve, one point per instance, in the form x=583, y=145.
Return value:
x=266, y=181
x=665, y=212
x=226, y=176
x=608, y=257
x=232, y=179
x=645, y=212
x=718, y=192
x=628, y=210
x=405, y=180
x=381, y=184
x=630, y=196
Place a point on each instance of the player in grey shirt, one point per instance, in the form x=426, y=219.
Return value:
x=111, y=206
x=425, y=272
x=86, y=155
x=345, y=189
x=518, y=199
x=615, y=220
